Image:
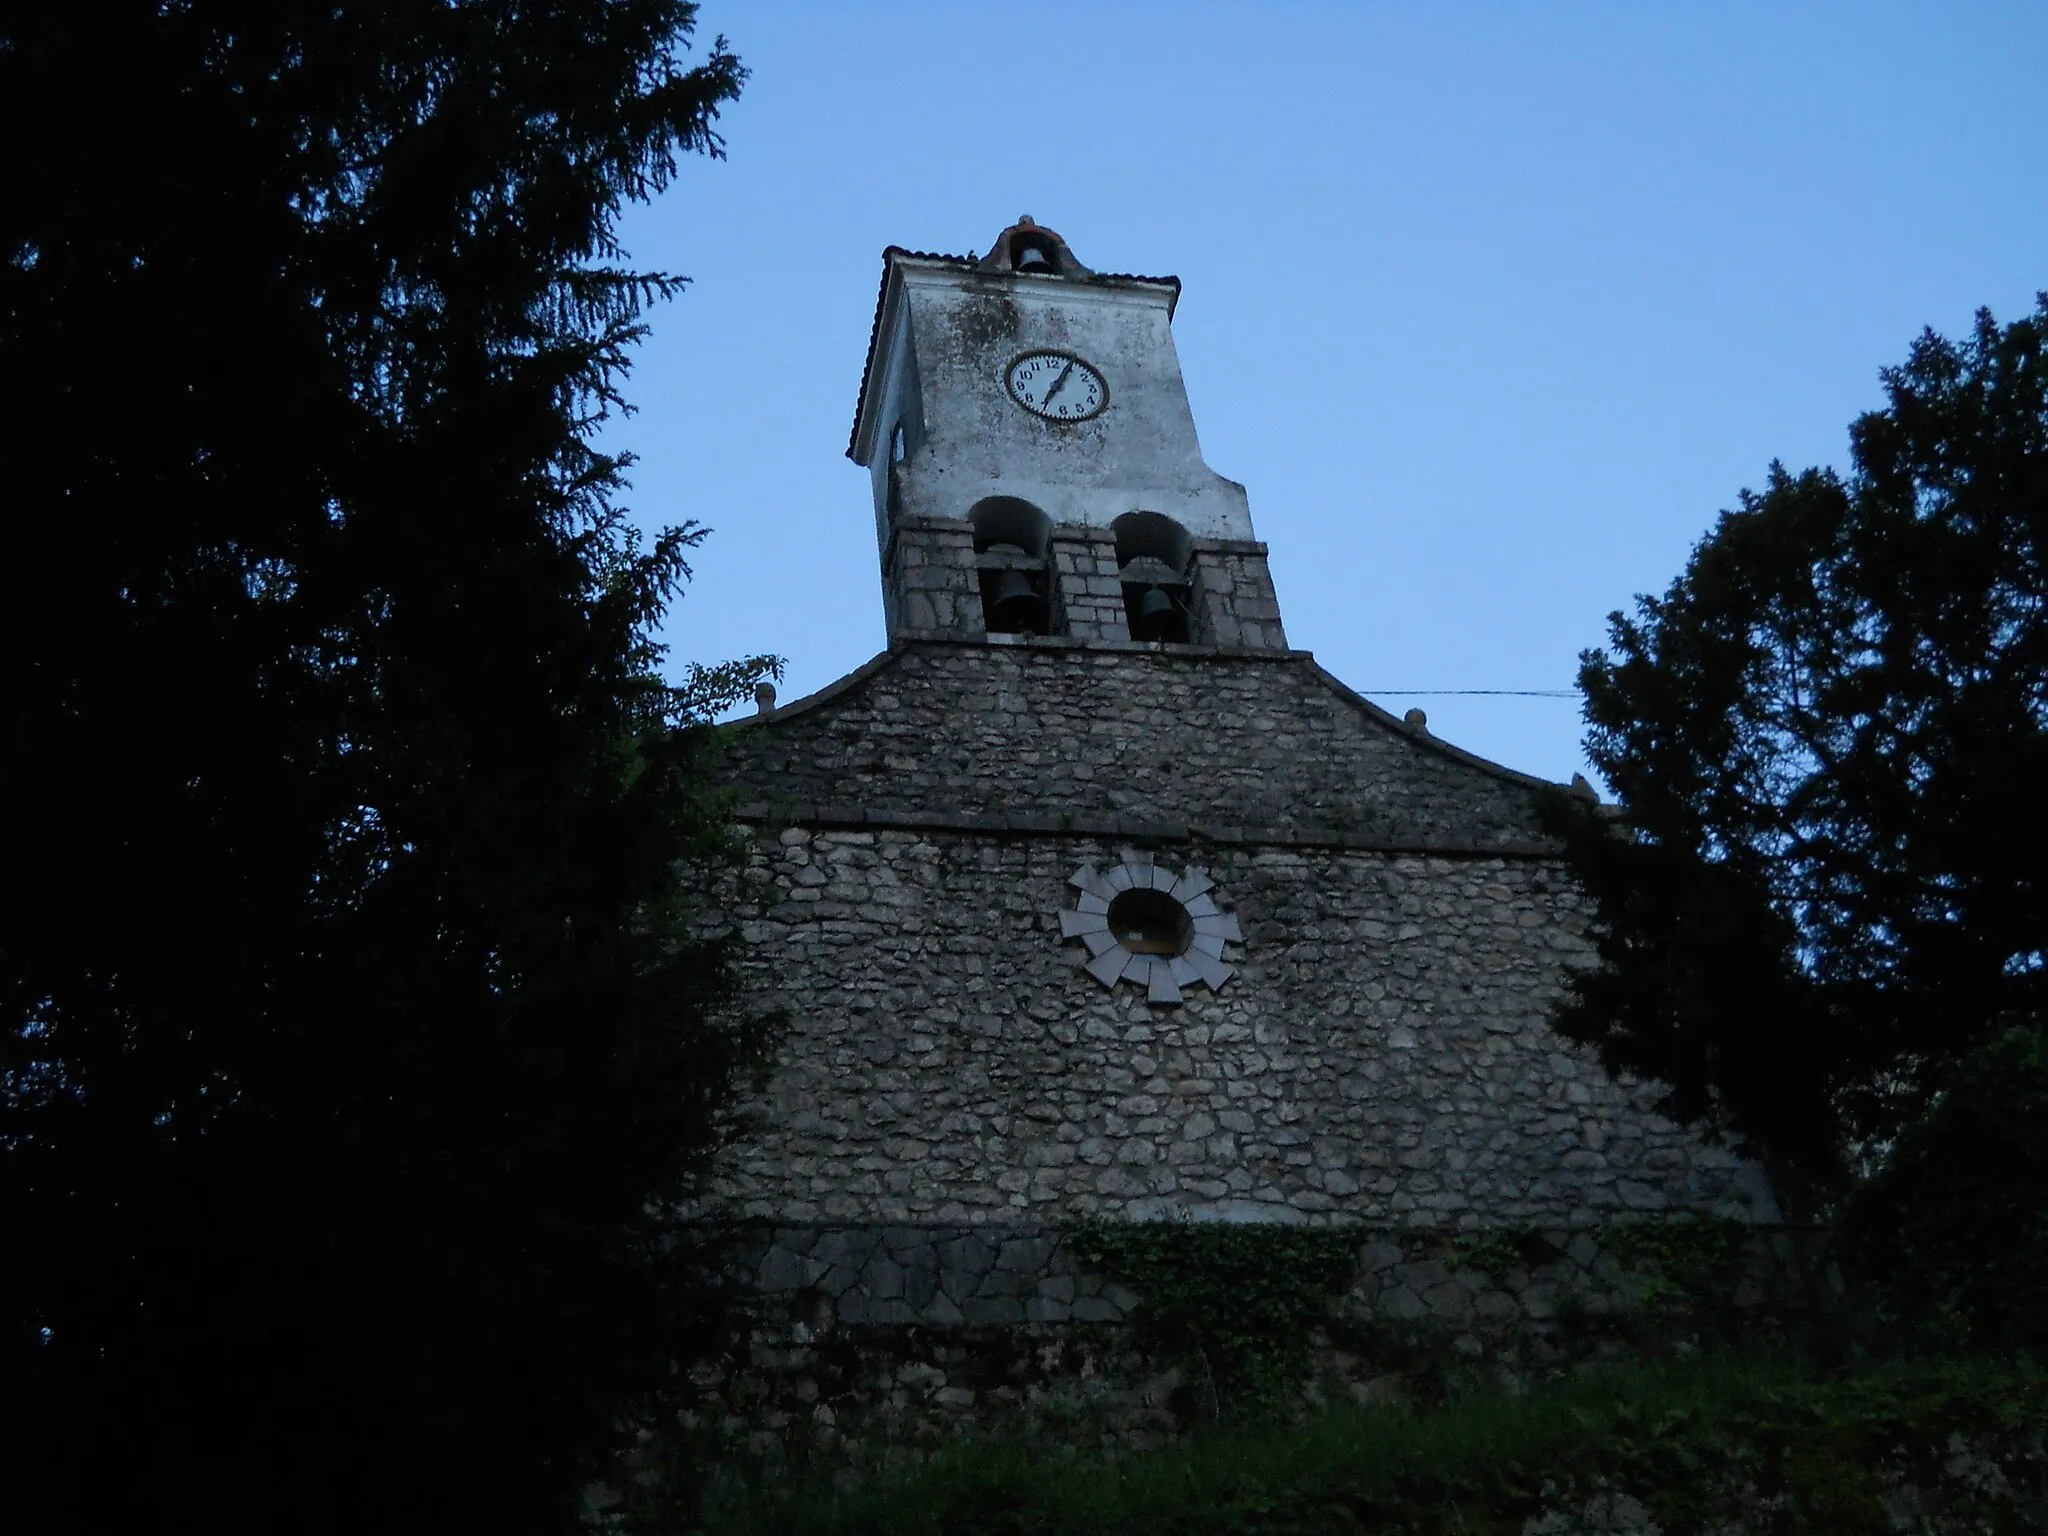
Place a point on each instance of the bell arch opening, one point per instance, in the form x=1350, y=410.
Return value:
x=1011, y=541
x=1153, y=553
x=1009, y=520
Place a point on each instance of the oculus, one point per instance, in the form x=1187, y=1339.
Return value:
x=1139, y=922
x=1057, y=385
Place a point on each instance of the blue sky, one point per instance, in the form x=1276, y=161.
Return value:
x=1491, y=308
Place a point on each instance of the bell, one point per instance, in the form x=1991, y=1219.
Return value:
x=1032, y=259
x=1013, y=608
x=1159, y=617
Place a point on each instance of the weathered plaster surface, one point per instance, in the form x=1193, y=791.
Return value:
x=965, y=327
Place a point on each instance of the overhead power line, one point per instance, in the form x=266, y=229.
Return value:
x=1507, y=693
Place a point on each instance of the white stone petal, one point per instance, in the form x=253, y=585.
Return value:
x=1161, y=988
x=1108, y=965
x=1091, y=882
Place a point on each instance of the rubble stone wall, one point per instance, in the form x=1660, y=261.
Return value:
x=1372, y=1045
x=940, y=1276
x=1175, y=741
x=862, y=1336
x=1234, y=598
x=1381, y=1054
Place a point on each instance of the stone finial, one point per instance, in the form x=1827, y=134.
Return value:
x=764, y=699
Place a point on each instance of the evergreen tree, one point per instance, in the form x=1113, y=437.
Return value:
x=1829, y=739
x=351, y=1016
x=1949, y=1239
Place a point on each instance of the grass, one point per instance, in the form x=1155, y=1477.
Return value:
x=1827, y=1449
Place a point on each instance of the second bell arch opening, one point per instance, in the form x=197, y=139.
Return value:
x=1153, y=555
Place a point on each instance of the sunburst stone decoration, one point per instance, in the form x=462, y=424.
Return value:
x=1139, y=922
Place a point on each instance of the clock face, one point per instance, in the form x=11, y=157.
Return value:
x=1057, y=386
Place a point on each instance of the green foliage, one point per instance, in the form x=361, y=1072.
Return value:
x=351, y=1014
x=1952, y=1234
x=1497, y=1252
x=1828, y=738
x=1234, y=1303
x=1689, y=1261
x=1698, y=1444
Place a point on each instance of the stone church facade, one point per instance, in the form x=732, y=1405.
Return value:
x=1091, y=899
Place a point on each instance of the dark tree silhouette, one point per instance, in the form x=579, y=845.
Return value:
x=1829, y=739
x=351, y=1012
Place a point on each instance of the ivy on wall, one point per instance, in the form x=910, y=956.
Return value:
x=1688, y=1261
x=1236, y=1303
x=1498, y=1253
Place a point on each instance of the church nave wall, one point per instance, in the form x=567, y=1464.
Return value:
x=1381, y=1054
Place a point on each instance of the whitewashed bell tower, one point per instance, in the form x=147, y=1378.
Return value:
x=1034, y=459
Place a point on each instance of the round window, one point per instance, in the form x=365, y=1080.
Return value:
x=1150, y=923
x=1142, y=923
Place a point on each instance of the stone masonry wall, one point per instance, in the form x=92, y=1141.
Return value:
x=931, y=588
x=929, y=584
x=1378, y=1053
x=939, y=1276
x=856, y=1342
x=1234, y=601
x=1381, y=1055
x=952, y=1091
x=1174, y=741
x=1088, y=597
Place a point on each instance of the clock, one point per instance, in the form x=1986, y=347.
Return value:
x=1058, y=386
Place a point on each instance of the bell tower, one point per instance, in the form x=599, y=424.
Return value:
x=1034, y=460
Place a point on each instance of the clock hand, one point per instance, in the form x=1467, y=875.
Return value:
x=1056, y=383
